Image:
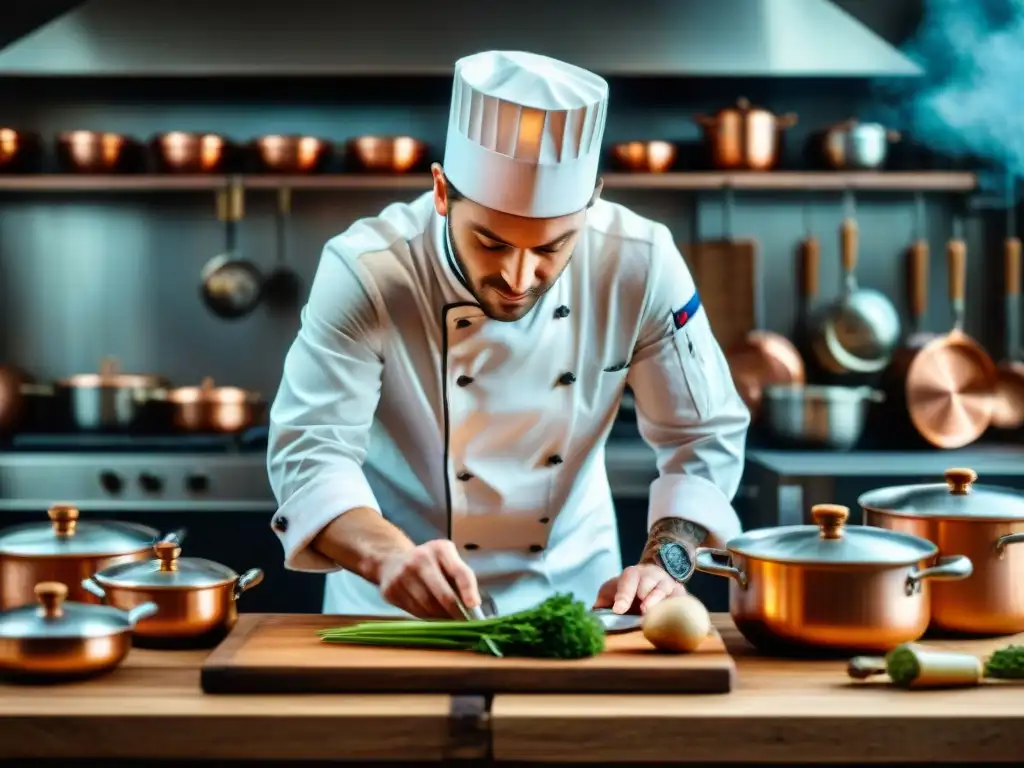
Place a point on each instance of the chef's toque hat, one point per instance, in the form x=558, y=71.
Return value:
x=524, y=134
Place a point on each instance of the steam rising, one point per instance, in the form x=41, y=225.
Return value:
x=970, y=102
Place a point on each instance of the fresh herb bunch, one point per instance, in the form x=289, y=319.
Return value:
x=1006, y=663
x=558, y=628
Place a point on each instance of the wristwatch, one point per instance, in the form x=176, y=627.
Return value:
x=676, y=561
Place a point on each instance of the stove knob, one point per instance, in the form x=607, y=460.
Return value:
x=150, y=483
x=111, y=481
x=197, y=483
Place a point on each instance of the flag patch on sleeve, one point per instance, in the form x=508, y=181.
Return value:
x=681, y=316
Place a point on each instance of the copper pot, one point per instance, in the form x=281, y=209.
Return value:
x=95, y=152
x=20, y=151
x=67, y=551
x=830, y=587
x=386, y=154
x=986, y=523
x=196, y=598
x=181, y=152
x=744, y=138
x=209, y=408
x=61, y=640
x=645, y=156
x=291, y=154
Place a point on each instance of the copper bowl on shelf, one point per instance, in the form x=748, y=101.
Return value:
x=95, y=152
x=291, y=154
x=386, y=154
x=20, y=151
x=645, y=156
x=183, y=152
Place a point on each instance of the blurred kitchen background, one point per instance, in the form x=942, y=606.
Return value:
x=104, y=241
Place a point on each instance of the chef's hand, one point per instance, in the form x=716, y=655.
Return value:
x=639, y=588
x=422, y=581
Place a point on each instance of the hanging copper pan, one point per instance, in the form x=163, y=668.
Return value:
x=1008, y=410
x=950, y=380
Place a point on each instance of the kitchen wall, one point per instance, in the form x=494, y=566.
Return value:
x=88, y=275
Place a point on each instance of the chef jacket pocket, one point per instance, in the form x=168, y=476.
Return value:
x=697, y=365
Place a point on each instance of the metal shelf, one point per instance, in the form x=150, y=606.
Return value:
x=924, y=181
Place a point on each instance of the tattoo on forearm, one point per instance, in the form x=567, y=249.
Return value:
x=668, y=529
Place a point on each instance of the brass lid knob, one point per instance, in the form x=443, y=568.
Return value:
x=64, y=518
x=168, y=552
x=960, y=480
x=830, y=518
x=51, y=596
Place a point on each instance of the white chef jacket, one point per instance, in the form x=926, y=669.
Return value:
x=401, y=395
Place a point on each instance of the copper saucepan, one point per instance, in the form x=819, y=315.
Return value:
x=947, y=382
x=291, y=154
x=67, y=550
x=985, y=523
x=196, y=598
x=53, y=639
x=97, y=152
x=209, y=408
x=20, y=151
x=183, y=152
x=386, y=154
x=830, y=587
x=744, y=137
x=645, y=156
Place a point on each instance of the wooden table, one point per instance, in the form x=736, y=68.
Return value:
x=781, y=712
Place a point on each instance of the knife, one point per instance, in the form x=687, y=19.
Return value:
x=479, y=614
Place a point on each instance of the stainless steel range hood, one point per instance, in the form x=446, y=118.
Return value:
x=770, y=38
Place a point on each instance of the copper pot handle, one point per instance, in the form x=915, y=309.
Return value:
x=811, y=266
x=919, y=278
x=1011, y=252
x=704, y=560
x=848, y=245
x=248, y=580
x=952, y=568
x=94, y=589
x=1002, y=542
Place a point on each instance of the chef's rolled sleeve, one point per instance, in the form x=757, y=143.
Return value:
x=321, y=417
x=688, y=409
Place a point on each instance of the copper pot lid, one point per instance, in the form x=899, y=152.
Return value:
x=168, y=570
x=830, y=541
x=959, y=498
x=56, y=617
x=65, y=536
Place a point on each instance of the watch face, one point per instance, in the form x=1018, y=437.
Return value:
x=676, y=561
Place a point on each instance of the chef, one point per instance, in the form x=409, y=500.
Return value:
x=440, y=427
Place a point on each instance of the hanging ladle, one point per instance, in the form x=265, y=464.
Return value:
x=282, y=290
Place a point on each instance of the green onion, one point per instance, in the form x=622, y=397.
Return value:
x=1006, y=663
x=558, y=628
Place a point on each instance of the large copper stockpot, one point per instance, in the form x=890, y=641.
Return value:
x=62, y=640
x=196, y=597
x=67, y=551
x=744, y=137
x=984, y=522
x=209, y=408
x=830, y=587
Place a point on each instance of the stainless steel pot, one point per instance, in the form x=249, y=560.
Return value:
x=817, y=416
x=62, y=640
x=828, y=586
x=108, y=400
x=984, y=522
x=196, y=597
x=852, y=145
x=67, y=551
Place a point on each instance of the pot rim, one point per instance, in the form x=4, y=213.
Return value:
x=959, y=482
x=116, y=584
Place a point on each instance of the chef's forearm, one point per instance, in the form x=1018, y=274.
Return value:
x=673, y=529
x=359, y=540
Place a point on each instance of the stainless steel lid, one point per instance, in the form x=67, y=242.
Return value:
x=55, y=618
x=65, y=536
x=959, y=498
x=167, y=571
x=831, y=542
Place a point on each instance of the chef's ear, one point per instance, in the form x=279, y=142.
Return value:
x=597, y=191
x=441, y=200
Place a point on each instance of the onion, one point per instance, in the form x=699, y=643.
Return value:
x=677, y=624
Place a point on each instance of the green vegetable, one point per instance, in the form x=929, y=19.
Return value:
x=902, y=665
x=558, y=628
x=1006, y=663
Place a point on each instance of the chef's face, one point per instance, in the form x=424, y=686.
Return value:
x=508, y=261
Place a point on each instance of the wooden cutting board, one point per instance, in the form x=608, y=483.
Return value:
x=725, y=272
x=281, y=653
